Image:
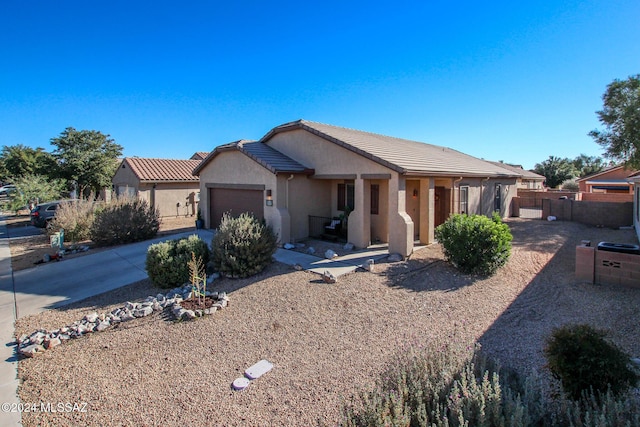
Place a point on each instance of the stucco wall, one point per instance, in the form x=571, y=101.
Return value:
x=324, y=156
x=233, y=167
x=306, y=197
x=167, y=196
x=482, y=195
x=125, y=177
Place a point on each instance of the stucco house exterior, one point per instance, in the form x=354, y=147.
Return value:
x=611, y=180
x=635, y=182
x=169, y=185
x=397, y=190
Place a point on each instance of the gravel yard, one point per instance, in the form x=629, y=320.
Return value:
x=326, y=341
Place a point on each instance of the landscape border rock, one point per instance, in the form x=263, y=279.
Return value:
x=41, y=340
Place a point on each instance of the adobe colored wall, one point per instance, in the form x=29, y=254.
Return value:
x=605, y=214
x=607, y=197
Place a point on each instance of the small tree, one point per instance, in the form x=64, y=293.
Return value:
x=198, y=275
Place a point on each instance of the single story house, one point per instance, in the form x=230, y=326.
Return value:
x=169, y=185
x=396, y=190
x=528, y=180
x=611, y=180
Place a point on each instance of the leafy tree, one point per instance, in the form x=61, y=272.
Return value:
x=87, y=157
x=621, y=118
x=555, y=170
x=20, y=160
x=588, y=165
x=35, y=189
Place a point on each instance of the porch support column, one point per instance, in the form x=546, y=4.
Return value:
x=359, y=231
x=427, y=210
x=400, y=224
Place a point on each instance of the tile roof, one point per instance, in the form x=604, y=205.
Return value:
x=402, y=155
x=273, y=160
x=199, y=155
x=162, y=170
x=519, y=169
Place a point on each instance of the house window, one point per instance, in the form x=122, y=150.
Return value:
x=375, y=199
x=464, y=199
x=346, y=197
x=497, y=204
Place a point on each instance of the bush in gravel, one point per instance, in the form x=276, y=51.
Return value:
x=243, y=246
x=167, y=262
x=433, y=388
x=583, y=360
x=475, y=244
x=75, y=218
x=125, y=220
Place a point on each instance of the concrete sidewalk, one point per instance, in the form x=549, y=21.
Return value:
x=337, y=266
x=8, y=362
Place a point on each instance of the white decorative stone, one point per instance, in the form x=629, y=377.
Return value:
x=348, y=246
x=328, y=277
x=210, y=310
x=288, y=246
x=329, y=254
x=368, y=264
x=102, y=326
x=189, y=314
x=311, y=250
x=298, y=267
x=240, y=383
x=31, y=350
x=53, y=342
x=258, y=370
x=92, y=317
x=143, y=311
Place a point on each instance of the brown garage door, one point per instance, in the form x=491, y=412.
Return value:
x=235, y=201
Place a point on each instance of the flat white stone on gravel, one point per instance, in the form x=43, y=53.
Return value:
x=258, y=370
x=240, y=383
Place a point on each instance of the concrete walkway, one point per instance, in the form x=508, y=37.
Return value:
x=8, y=361
x=337, y=266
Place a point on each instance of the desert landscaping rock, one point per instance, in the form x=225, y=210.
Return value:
x=328, y=277
x=329, y=254
x=258, y=370
x=41, y=340
x=240, y=383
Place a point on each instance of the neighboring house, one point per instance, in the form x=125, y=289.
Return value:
x=528, y=180
x=398, y=190
x=611, y=180
x=166, y=184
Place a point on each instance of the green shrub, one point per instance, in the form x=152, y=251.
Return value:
x=125, y=220
x=243, y=246
x=167, y=262
x=583, y=360
x=75, y=218
x=475, y=244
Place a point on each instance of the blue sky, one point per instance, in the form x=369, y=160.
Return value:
x=502, y=80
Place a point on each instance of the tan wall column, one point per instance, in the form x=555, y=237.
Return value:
x=359, y=232
x=281, y=219
x=400, y=224
x=427, y=210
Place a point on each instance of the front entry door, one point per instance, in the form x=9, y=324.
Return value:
x=441, y=205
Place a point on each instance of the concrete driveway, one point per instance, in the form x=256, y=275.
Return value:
x=55, y=284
